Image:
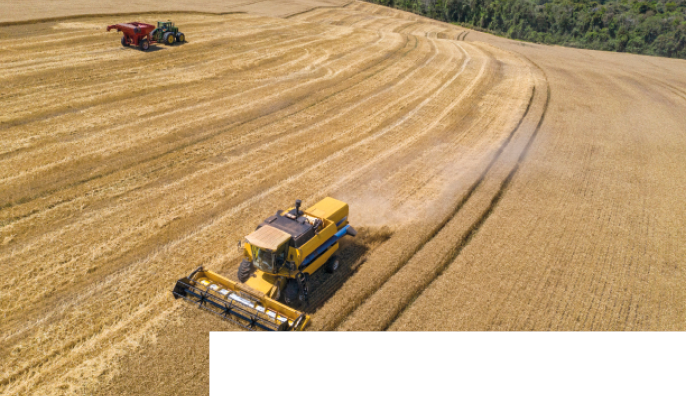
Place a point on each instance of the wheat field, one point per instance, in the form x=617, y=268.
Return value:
x=496, y=185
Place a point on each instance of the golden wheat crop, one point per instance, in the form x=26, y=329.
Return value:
x=495, y=184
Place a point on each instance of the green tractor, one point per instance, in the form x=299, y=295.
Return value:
x=167, y=33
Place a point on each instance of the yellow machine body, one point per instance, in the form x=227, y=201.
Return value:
x=254, y=301
x=334, y=216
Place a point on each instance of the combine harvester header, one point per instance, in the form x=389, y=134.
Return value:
x=273, y=278
x=237, y=303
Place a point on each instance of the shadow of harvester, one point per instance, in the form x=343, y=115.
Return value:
x=353, y=253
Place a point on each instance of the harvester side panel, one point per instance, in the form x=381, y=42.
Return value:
x=318, y=240
x=319, y=261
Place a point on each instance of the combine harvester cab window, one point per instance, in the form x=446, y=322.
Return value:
x=268, y=261
x=263, y=259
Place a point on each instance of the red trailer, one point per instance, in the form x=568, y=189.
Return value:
x=135, y=33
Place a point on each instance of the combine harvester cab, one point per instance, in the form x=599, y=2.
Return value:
x=273, y=278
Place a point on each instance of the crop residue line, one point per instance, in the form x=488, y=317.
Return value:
x=474, y=228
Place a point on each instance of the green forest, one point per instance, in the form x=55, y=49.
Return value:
x=641, y=27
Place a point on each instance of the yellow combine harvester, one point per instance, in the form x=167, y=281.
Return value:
x=279, y=257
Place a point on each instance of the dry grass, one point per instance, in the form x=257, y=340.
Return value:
x=522, y=186
x=31, y=10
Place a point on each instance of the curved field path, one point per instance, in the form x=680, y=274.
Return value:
x=18, y=11
x=496, y=185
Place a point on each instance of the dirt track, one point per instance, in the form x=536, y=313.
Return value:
x=522, y=186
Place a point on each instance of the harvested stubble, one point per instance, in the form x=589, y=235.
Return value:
x=110, y=194
x=142, y=190
x=31, y=10
x=381, y=309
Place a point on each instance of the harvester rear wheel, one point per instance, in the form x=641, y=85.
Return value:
x=124, y=41
x=180, y=37
x=244, y=270
x=144, y=45
x=333, y=264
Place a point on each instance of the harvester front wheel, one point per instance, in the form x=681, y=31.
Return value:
x=244, y=270
x=180, y=37
x=124, y=41
x=169, y=38
x=291, y=293
x=333, y=264
x=144, y=45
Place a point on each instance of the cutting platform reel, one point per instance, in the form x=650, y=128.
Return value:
x=237, y=303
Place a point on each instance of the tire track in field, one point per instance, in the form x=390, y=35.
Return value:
x=175, y=86
x=53, y=55
x=275, y=142
x=29, y=37
x=262, y=195
x=23, y=144
x=104, y=42
x=474, y=228
x=386, y=88
x=176, y=148
x=404, y=79
x=192, y=53
x=112, y=55
x=148, y=95
x=90, y=343
x=157, y=115
x=335, y=322
x=172, y=186
x=395, y=284
x=304, y=172
x=319, y=8
x=393, y=62
x=378, y=158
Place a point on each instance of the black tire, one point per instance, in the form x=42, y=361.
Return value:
x=244, y=271
x=124, y=41
x=180, y=37
x=333, y=264
x=169, y=38
x=291, y=293
x=144, y=45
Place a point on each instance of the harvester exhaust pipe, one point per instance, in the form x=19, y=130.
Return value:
x=297, y=207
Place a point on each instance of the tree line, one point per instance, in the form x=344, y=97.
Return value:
x=656, y=27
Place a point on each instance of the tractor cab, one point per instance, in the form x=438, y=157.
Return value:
x=167, y=33
x=165, y=26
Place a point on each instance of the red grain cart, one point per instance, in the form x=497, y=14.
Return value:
x=135, y=33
